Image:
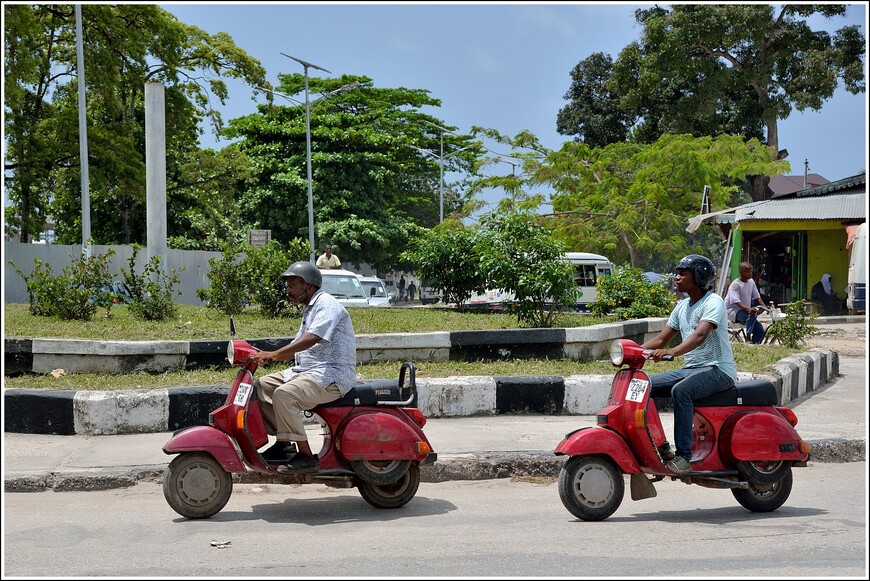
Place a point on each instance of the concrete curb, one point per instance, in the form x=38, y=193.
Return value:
x=98, y=413
x=471, y=466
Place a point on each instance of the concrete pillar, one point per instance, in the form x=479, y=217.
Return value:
x=155, y=170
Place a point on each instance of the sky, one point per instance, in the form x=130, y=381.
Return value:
x=504, y=66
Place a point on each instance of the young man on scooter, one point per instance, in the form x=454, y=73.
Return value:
x=324, y=352
x=702, y=323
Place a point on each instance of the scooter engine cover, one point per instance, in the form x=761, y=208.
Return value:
x=760, y=436
x=378, y=436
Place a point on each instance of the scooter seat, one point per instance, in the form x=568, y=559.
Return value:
x=369, y=393
x=746, y=393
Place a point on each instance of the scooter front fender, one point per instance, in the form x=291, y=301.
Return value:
x=379, y=436
x=597, y=440
x=210, y=440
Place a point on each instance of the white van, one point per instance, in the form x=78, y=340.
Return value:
x=856, y=292
x=344, y=286
x=376, y=291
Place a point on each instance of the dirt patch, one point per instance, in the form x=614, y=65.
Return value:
x=846, y=340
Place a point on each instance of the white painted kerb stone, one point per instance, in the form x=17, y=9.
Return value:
x=101, y=413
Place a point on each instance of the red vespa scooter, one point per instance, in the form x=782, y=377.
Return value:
x=741, y=440
x=372, y=439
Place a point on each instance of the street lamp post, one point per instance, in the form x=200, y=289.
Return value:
x=441, y=159
x=306, y=66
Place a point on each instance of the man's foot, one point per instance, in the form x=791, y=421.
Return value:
x=279, y=452
x=679, y=465
x=665, y=452
x=300, y=464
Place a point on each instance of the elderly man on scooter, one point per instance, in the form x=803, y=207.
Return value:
x=324, y=351
x=702, y=322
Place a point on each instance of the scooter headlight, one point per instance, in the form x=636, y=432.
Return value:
x=616, y=353
x=231, y=352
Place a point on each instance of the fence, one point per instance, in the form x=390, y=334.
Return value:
x=191, y=266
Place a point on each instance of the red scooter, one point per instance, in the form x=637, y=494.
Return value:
x=372, y=439
x=741, y=440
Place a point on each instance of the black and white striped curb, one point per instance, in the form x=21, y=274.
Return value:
x=39, y=411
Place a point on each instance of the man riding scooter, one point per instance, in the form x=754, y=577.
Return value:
x=324, y=352
x=702, y=322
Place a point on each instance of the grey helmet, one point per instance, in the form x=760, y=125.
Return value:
x=306, y=271
x=704, y=269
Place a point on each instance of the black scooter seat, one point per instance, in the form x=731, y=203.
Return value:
x=756, y=392
x=369, y=393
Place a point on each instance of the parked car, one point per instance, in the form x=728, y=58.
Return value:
x=376, y=291
x=345, y=286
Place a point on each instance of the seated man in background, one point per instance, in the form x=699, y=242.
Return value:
x=742, y=293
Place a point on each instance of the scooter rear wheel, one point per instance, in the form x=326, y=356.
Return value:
x=395, y=494
x=765, y=472
x=196, y=485
x=591, y=487
x=380, y=471
x=764, y=497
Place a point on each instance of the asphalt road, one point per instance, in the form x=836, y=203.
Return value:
x=457, y=528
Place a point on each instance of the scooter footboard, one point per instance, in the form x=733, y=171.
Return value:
x=597, y=440
x=210, y=440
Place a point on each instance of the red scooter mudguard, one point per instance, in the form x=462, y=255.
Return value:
x=378, y=436
x=595, y=440
x=760, y=436
x=210, y=440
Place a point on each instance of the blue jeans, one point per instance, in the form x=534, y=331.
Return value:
x=754, y=329
x=684, y=386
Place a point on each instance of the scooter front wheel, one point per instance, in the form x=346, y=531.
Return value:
x=395, y=494
x=591, y=487
x=196, y=485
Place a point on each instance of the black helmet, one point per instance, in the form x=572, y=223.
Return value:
x=306, y=271
x=705, y=272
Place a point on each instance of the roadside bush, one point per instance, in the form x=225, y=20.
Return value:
x=793, y=330
x=264, y=267
x=521, y=257
x=227, y=290
x=73, y=295
x=627, y=294
x=151, y=291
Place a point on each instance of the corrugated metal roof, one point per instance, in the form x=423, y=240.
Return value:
x=830, y=207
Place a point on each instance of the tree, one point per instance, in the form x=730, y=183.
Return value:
x=446, y=257
x=125, y=46
x=709, y=69
x=522, y=257
x=634, y=200
x=372, y=190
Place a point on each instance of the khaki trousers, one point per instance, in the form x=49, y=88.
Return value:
x=281, y=403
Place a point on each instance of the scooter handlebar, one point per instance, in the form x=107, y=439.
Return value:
x=647, y=353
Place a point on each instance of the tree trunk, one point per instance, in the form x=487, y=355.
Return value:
x=632, y=251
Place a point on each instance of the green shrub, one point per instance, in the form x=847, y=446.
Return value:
x=793, y=330
x=151, y=290
x=627, y=294
x=227, y=290
x=73, y=295
x=263, y=268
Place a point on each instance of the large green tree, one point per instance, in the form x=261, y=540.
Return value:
x=708, y=69
x=631, y=201
x=124, y=46
x=373, y=188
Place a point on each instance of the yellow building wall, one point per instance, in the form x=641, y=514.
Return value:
x=826, y=248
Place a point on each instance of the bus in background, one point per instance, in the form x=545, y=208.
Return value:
x=587, y=268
